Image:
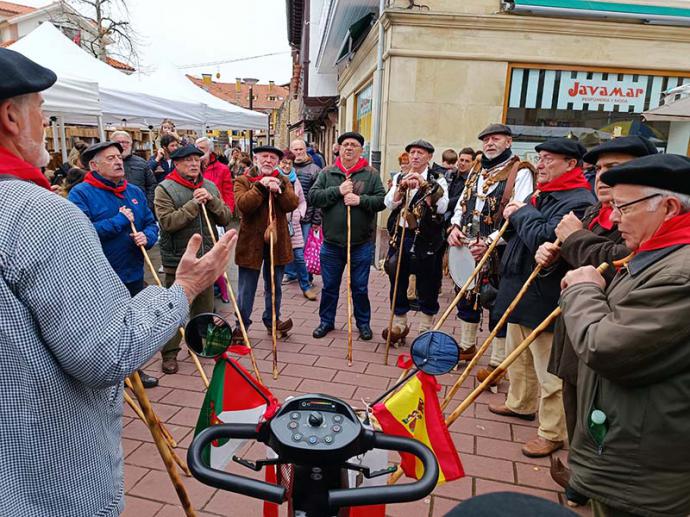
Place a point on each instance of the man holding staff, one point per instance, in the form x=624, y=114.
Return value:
x=62, y=363
x=561, y=188
x=350, y=182
x=630, y=452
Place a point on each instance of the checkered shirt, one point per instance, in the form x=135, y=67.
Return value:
x=69, y=335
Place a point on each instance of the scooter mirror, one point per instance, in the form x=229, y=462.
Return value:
x=435, y=352
x=208, y=335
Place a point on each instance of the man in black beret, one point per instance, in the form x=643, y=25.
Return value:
x=177, y=202
x=421, y=252
x=70, y=333
x=632, y=340
x=477, y=217
x=561, y=188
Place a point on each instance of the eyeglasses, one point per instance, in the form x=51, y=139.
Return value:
x=624, y=208
x=112, y=158
x=353, y=146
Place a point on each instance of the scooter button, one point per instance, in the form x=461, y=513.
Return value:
x=294, y=416
x=297, y=437
x=328, y=439
x=338, y=419
x=293, y=425
x=336, y=428
x=313, y=440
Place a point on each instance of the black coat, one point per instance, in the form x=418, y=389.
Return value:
x=530, y=228
x=138, y=172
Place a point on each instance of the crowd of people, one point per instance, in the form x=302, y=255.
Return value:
x=611, y=376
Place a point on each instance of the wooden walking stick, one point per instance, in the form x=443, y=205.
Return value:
x=485, y=345
x=195, y=359
x=349, y=291
x=162, y=446
x=273, y=287
x=403, y=217
x=236, y=307
x=137, y=410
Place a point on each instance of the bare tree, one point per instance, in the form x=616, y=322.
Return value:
x=103, y=25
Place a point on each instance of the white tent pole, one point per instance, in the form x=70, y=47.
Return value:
x=101, y=130
x=63, y=137
x=53, y=125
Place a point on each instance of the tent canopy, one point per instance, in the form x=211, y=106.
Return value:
x=672, y=110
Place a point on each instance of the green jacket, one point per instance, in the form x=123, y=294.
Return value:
x=633, y=343
x=325, y=194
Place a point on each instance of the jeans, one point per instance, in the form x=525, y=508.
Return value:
x=135, y=287
x=248, y=279
x=333, y=263
x=298, y=269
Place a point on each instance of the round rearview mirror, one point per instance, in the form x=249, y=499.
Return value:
x=208, y=335
x=435, y=352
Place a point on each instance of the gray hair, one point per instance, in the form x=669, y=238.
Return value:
x=121, y=133
x=683, y=199
x=204, y=139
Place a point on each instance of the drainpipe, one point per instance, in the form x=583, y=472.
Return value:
x=378, y=95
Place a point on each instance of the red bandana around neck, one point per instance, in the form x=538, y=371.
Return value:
x=570, y=180
x=673, y=232
x=603, y=218
x=177, y=178
x=361, y=163
x=258, y=177
x=13, y=165
x=91, y=179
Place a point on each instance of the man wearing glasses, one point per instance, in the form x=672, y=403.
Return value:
x=561, y=188
x=632, y=339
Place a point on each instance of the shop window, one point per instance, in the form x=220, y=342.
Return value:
x=363, y=116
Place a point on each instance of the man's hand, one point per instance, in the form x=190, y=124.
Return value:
x=478, y=248
x=196, y=274
x=413, y=180
x=139, y=238
x=127, y=213
x=346, y=188
x=456, y=237
x=547, y=254
x=202, y=196
x=568, y=225
x=351, y=200
x=511, y=208
x=583, y=275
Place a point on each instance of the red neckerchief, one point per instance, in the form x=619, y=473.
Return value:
x=258, y=177
x=91, y=179
x=673, y=232
x=361, y=163
x=603, y=218
x=177, y=178
x=570, y=180
x=13, y=165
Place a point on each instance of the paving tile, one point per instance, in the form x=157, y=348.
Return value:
x=156, y=485
x=137, y=507
x=133, y=475
x=507, y=450
x=361, y=379
x=488, y=468
x=457, y=490
x=319, y=373
x=442, y=506
x=478, y=427
x=334, y=389
x=536, y=476
x=485, y=486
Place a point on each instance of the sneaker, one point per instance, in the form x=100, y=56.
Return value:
x=170, y=365
x=289, y=280
x=147, y=380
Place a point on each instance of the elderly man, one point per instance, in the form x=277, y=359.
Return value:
x=178, y=202
x=350, y=182
x=137, y=170
x=561, y=188
x=162, y=164
x=427, y=198
x=216, y=172
x=252, y=191
x=112, y=205
x=70, y=333
x=478, y=214
x=631, y=452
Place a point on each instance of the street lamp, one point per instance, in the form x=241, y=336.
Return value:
x=251, y=82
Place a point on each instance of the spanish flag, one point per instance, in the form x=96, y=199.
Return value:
x=414, y=412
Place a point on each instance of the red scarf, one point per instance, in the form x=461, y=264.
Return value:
x=673, y=232
x=570, y=180
x=12, y=165
x=91, y=179
x=361, y=163
x=258, y=177
x=177, y=178
x=603, y=218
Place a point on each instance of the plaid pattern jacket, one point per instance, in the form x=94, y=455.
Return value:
x=69, y=335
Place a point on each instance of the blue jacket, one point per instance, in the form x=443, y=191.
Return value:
x=163, y=164
x=113, y=228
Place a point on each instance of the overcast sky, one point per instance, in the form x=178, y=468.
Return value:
x=202, y=31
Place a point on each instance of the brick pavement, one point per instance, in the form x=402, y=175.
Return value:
x=489, y=444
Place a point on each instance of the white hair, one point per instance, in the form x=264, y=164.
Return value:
x=683, y=199
x=204, y=139
x=121, y=133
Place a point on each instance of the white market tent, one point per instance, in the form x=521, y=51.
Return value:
x=673, y=110
x=78, y=102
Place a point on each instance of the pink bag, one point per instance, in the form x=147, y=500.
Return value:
x=312, y=251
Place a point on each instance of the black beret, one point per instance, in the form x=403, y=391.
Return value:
x=20, y=75
x=495, y=129
x=269, y=149
x=351, y=134
x=632, y=145
x=664, y=171
x=90, y=152
x=564, y=146
x=421, y=144
x=184, y=151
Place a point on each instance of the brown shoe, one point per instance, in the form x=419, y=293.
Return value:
x=397, y=338
x=169, y=365
x=540, y=447
x=559, y=472
x=468, y=355
x=309, y=294
x=503, y=410
x=237, y=338
x=484, y=373
x=282, y=327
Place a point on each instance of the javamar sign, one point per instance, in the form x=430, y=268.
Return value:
x=626, y=92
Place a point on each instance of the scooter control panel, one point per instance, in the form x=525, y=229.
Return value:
x=315, y=423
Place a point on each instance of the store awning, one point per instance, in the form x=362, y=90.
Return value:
x=355, y=36
x=643, y=13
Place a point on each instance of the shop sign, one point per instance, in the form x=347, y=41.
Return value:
x=612, y=92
